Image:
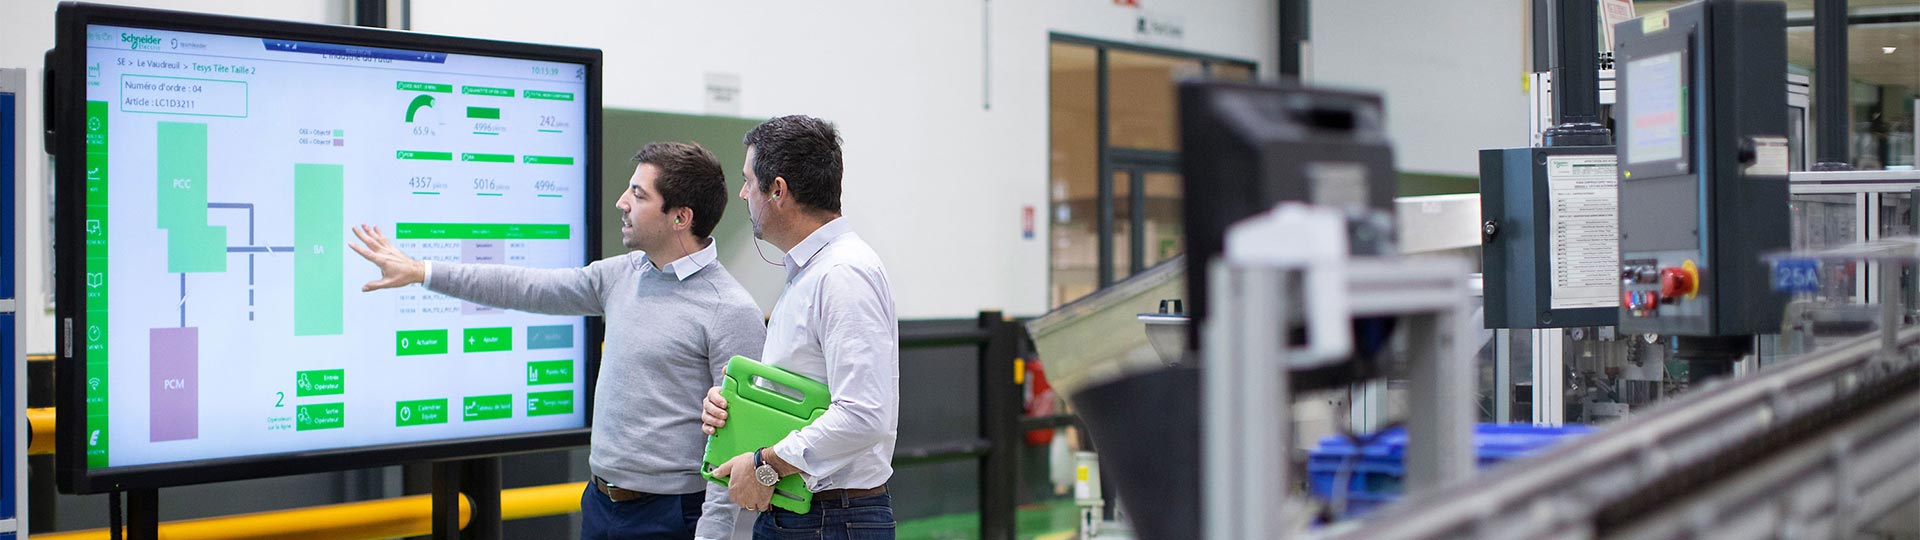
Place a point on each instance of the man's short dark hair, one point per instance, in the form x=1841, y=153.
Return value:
x=806, y=152
x=689, y=176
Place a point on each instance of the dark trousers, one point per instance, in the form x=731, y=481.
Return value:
x=864, y=518
x=659, y=517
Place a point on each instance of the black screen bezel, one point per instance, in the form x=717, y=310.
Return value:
x=66, y=69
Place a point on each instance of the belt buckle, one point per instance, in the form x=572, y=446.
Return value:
x=601, y=485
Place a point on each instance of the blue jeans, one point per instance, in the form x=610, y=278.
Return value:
x=660, y=517
x=865, y=518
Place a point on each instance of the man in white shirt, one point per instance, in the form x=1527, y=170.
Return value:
x=835, y=323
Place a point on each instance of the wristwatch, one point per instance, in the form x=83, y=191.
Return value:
x=763, y=471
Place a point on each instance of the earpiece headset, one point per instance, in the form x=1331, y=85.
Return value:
x=756, y=246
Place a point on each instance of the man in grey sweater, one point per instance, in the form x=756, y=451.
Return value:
x=674, y=317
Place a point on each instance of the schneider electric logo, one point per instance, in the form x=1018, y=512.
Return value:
x=141, y=43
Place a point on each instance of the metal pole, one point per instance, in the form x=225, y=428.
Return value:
x=1576, y=81
x=446, y=500
x=1137, y=218
x=1244, y=449
x=1549, y=387
x=143, y=514
x=1831, y=98
x=1104, y=230
x=1000, y=426
x=370, y=13
x=1293, y=32
x=1442, y=372
x=480, y=481
x=1502, y=376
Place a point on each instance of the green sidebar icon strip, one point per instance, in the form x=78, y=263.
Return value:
x=181, y=167
x=419, y=102
x=319, y=290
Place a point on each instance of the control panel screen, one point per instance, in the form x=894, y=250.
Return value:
x=1656, y=91
x=224, y=316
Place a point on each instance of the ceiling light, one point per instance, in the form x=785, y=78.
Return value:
x=1888, y=50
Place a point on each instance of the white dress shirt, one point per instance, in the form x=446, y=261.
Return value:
x=686, y=266
x=835, y=323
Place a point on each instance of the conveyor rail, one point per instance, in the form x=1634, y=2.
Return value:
x=1635, y=479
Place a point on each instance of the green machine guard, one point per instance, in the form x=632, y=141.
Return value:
x=759, y=416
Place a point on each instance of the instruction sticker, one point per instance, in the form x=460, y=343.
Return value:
x=1584, y=242
x=1769, y=157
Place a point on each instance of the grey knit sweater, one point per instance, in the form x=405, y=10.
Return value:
x=667, y=342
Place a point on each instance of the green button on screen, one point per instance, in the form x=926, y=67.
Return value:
x=420, y=412
x=548, y=403
x=550, y=372
x=320, y=416
x=487, y=339
x=486, y=407
x=418, y=342
x=325, y=382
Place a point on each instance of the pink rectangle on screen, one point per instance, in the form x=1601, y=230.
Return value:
x=175, y=387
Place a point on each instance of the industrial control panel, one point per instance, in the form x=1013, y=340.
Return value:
x=1549, y=236
x=1703, y=161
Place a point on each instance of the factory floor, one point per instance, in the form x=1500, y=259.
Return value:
x=1049, y=520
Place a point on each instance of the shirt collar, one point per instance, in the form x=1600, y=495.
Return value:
x=803, y=253
x=693, y=262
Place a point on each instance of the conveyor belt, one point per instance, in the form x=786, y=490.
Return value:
x=1684, y=465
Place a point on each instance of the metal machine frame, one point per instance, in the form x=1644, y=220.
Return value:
x=1245, y=442
x=1816, y=445
x=13, y=473
x=1867, y=188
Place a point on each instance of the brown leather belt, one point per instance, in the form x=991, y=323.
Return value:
x=843, y=495
x=616, y=494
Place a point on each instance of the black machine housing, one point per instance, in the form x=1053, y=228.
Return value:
x=1716, y=198
x=1247, y=147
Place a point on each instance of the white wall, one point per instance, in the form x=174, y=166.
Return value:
x=934, y=181
x=1452, y=73
x=26, y=32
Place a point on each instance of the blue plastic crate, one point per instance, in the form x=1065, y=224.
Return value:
x=1378, y=469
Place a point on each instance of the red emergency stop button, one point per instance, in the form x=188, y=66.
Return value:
x=1682, y=281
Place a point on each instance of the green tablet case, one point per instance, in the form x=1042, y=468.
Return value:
x=758, y=417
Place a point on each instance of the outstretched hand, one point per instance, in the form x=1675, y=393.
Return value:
x=396, y=268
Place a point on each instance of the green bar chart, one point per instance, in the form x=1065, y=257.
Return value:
x=318, y=244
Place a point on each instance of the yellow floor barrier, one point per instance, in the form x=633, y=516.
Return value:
x=369, y=520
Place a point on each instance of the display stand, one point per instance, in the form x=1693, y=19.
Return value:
x=143, y=514
x=479, y=480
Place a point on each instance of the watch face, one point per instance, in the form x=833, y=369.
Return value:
x=766, y=475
